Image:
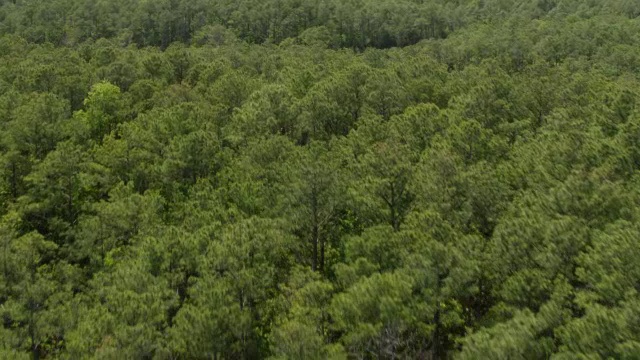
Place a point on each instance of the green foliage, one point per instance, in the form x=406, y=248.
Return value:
x=324, y=179
x=101, y=111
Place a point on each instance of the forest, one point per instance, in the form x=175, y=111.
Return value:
x=319, y=179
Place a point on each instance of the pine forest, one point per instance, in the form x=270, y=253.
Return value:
x=320, y=179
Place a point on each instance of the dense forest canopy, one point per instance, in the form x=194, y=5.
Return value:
x=313, y=179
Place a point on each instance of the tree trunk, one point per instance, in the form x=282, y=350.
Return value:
x=314, y=260
x=315, y=233
x=321, y=267
x=14, y=180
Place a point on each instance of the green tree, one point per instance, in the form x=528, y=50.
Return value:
x=33, y=295
x=303, y=329
x=387, y=168
x=57, y=191
x=102, y=112
x=317, y=200
x=229, y=302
